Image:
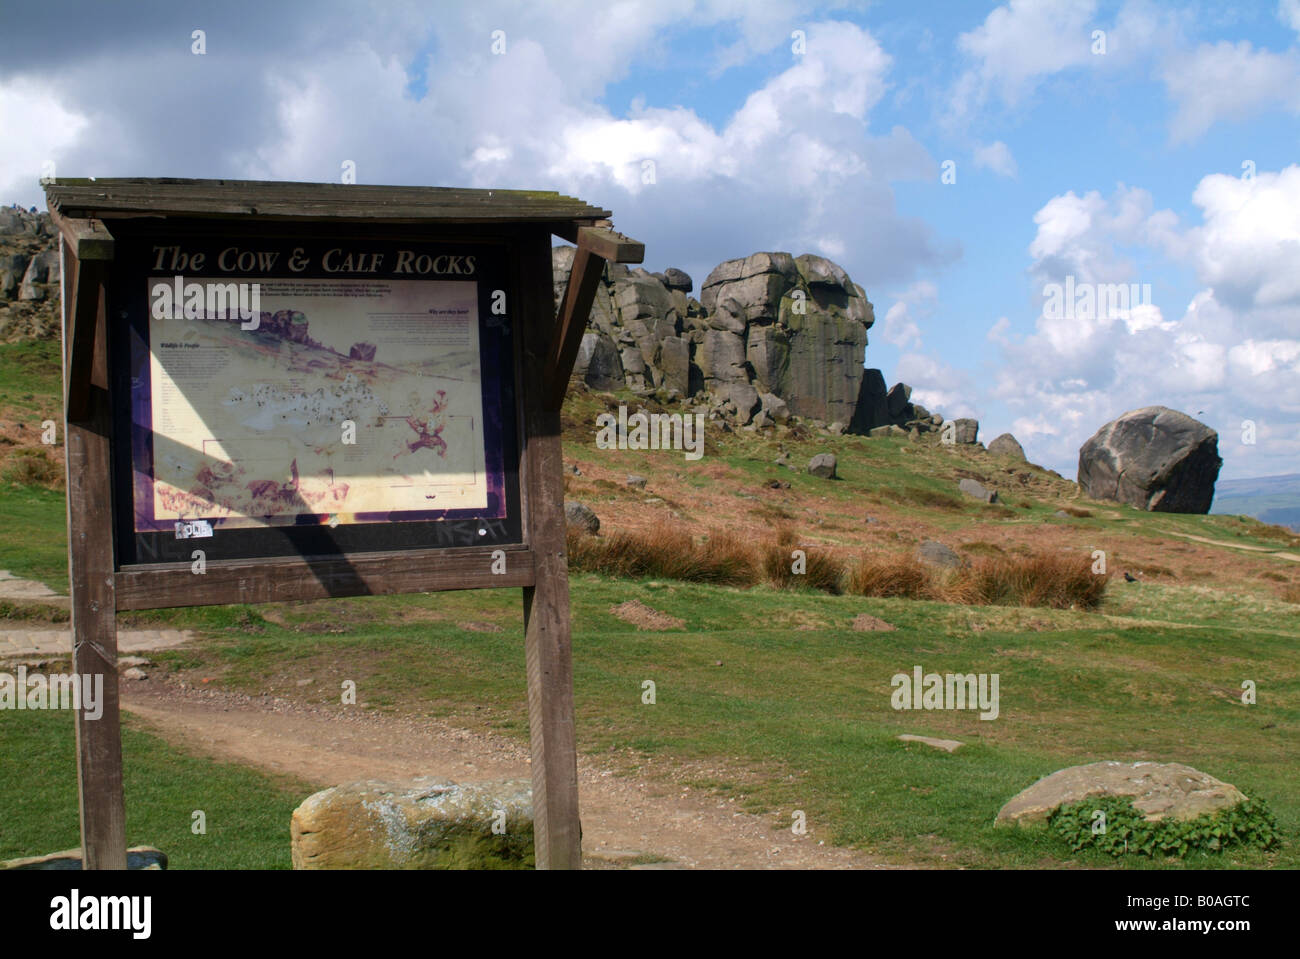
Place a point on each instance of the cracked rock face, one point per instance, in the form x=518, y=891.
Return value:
x=771, y=337
x=794, y=328
x=1155, y=459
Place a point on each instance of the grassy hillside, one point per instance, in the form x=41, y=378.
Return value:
x=773, y=697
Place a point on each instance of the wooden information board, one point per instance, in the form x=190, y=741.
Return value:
x=291, y=391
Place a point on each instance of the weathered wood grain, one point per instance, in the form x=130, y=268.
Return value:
x=548, y=652
x=81, y=198
x=157, y=586
x=90, y=575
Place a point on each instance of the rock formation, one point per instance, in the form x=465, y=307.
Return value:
x=772, y=336
x=1154, y=458
x=29, y=276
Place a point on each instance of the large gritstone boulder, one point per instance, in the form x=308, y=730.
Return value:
x=1157, y=790
x=805, y=325
x=422, y=823
x=794, y=328
x=1154, y=458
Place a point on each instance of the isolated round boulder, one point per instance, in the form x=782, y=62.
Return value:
x=1154, y=458
x=1006, y=445
x=1157, y=790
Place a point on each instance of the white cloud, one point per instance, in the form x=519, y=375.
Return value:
x=1233, y=353
x=1257, y=358
x=899, y=328
x=1229, y=81
x=938, y=386
x=762, y=27
x=1248, y=247
x=1019, y=43
x=913, y=306
x=1288, y=11
x=40, y=129
x=1023, y=44
x=801, y=142
x=997, y=157
x=1147, y=316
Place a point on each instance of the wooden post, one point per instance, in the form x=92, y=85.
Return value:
x=90, y=557
x=546, y=603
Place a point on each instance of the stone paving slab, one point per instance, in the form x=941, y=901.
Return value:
x=27, y=590
x=27, y=642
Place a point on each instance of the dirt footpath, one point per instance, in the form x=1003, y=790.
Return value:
x=624, y=820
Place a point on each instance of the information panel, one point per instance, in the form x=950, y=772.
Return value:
x=307, y=397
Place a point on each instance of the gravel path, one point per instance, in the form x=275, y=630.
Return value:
x=623, y=818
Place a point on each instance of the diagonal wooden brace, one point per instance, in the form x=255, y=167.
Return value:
x=91, y=247
x=596, y=245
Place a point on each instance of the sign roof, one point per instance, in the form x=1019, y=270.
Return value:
x=114, y=198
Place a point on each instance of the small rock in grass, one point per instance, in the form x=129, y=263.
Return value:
x=822, y=465
x=937, y=554
x=947, y=745
x=582, y=516
x=866, y=623
x=977, y=490
x=638, y=614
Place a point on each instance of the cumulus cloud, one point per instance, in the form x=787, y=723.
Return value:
x=1229, y=81
x=762, y=27
x=1025, y=42
x=901, y=325
x=1288, y=11
x=1248, y=245
x=996, y=157
x=298, y=106
x=938, y=386
x=1018, y=44
x=48, y=128
x=1232, y=353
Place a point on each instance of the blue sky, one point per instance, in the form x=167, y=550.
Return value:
x=1115, y=166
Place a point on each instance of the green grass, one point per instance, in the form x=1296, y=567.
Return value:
x=801, y=719
x=796, y=717
x=247, y=813
x=30, y=380
x=34, y=534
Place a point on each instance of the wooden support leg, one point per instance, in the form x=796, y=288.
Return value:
x=546, y=604
x=90, y=575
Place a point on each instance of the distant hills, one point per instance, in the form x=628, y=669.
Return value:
x=1270, y=499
